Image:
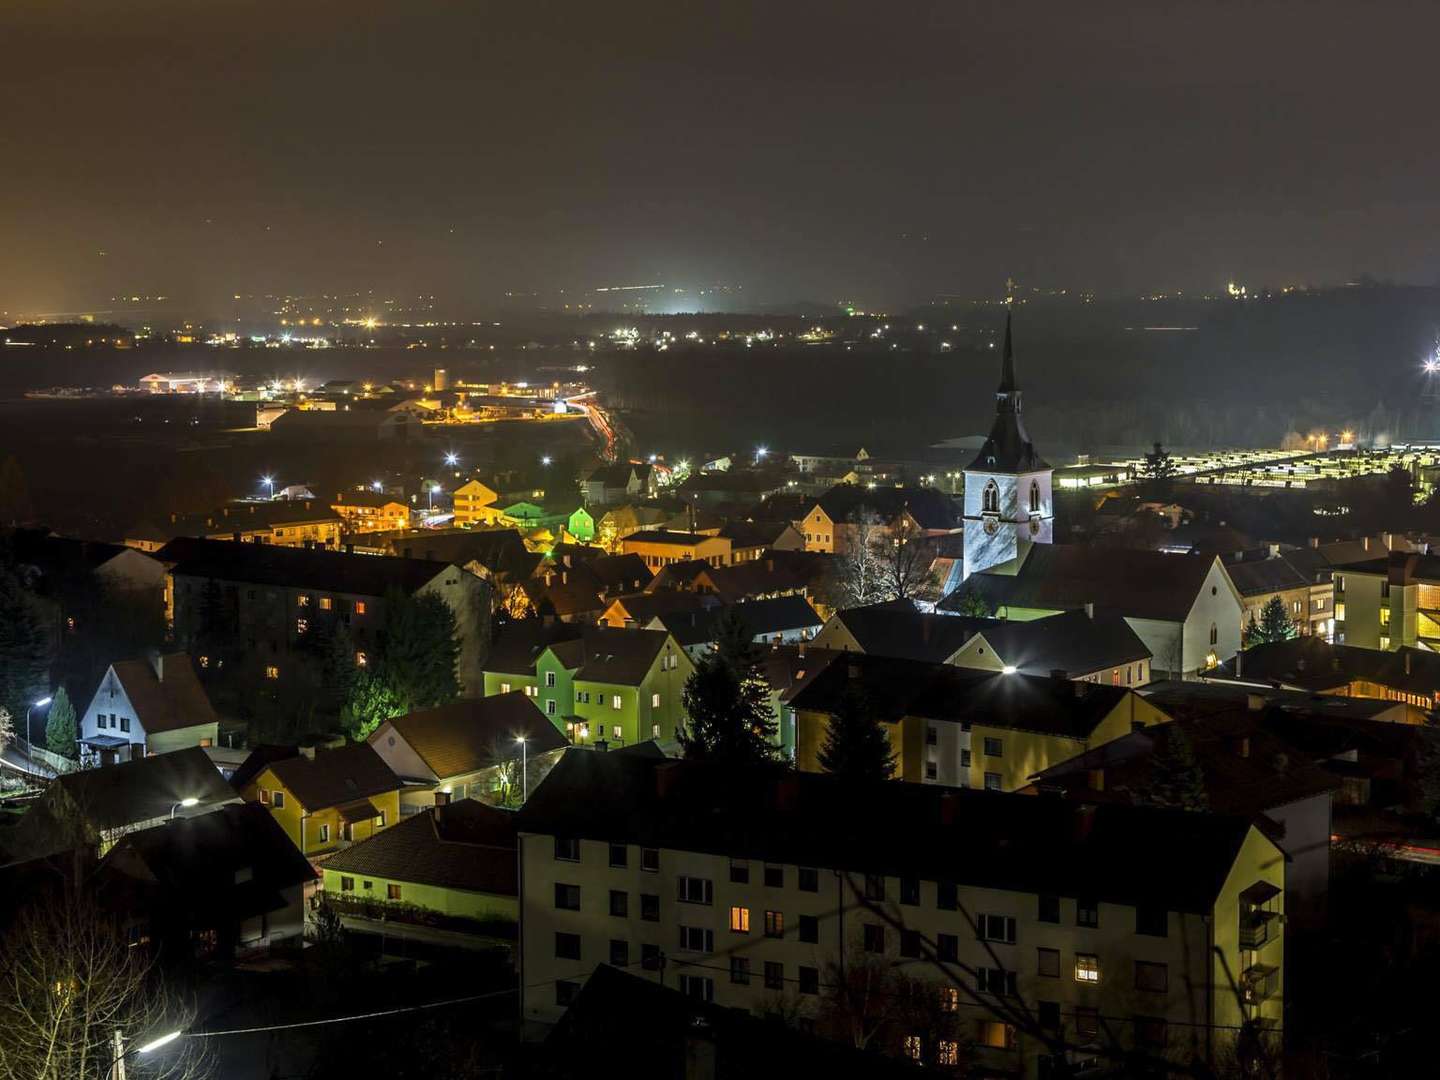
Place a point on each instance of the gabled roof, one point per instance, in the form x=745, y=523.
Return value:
x=301, y=568
x=501, y=551
x=613, y=476
x=466, y=736
x=61, y=556
x=753, y=534
x=932, y=509
x=666, y=536
x=1072, y=642
x=969, y=836
x=1258, y=577
x=165, y=704
x=645, y=607
x=621, y=657
x=1136, y=584
x=335, y=777
x=935, y=691
x=1312, y=663
x=464, y=845
x=518, y=645
x=896, y=628
x=779, y=614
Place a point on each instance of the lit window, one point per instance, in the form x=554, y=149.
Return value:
x=359, y=607
x=504, y=687
x=654, y=701
x=325, y=837
x=740, y=920
x=392, y=891
x=949, y=999
x=615, y=701
x=271, y=671
x=361, y=659
x=325, y=603
x=912, y=1047
x=1087, y=968
x=302, y=600
x=616, y=732
x=302, y=625
x=947, y=1052
x=996, y=1035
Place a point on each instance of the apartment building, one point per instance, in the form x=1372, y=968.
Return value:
x=1053, y=930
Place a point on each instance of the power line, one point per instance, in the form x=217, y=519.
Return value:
x=356, y=1016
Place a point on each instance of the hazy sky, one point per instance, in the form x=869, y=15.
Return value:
x=885, y=151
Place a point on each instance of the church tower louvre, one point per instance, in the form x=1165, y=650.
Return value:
x=1008, y=503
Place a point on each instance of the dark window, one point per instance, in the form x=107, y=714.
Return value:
x=992, y=781
x=909, y=890
x=964, y=759
x=874, y=938
x=1087, y=1024
x=932, y=770
x=697, y=939
x=1153, y=921
x=1087, y=913
x=809, y=980
x=947, y=895
x=1049, y=909
x=619, y=953
x=994, y=747
x=1150, y=1032
x=619, y=903
x=740, y=970
x=809, y=879
x=874, y=886
x=650, y=957
x=649, y=907
x=567, y=946
x=619, y=855
x=565, y=991
x=947, y=946
x=910, y=944
x=1048, y=963
x=996, y=928
x=774, y=975
x=1049, y=1015
x=1154, y=978
x=809, y=931
x=567, y=897
x=567, y=848
x=774, y=924
x=697, y=987
x=994, y=981
x=932, y=736
x=739, y=872
x=774, y=877
x=650, y=859
x=694, y=890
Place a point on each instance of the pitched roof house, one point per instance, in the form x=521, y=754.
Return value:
x=147, y=707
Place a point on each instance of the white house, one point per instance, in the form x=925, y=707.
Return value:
x=145, y=707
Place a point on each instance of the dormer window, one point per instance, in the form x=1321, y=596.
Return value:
x=990, y=498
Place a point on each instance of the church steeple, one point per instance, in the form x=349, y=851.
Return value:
x=1008, y=449
x=1007, y=395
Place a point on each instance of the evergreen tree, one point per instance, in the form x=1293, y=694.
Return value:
x=970, y=603
x=1275, y=624
x=27, y=643
x=856, y=745
x=60, y=727
x=1175, y=777
x=1158, y=471
x=419, y=650
x=370, y=703
x=727, y=700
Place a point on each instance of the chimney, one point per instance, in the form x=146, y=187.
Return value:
x=1059, y=674
x=442, y=798
x=308, y=752
x=1255, y=702
x=800, y=650
x=1366, y=542
x=1407, y=663
x=601, y=745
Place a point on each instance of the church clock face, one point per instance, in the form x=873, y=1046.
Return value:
x=992, y=526
x=1034, y=526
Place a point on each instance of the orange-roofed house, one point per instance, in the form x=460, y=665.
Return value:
x=144, y=707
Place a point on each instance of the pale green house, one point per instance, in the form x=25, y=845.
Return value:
x=581, y=525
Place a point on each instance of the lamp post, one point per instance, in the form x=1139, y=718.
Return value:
x=524, y=768
x=117, y=1064
x=269, y=482
x=30, y=735
x=187, y=803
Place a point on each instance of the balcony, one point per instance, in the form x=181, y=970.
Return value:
x=1258, y=928
x=1259, y=983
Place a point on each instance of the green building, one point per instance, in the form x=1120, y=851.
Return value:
x=581, y=525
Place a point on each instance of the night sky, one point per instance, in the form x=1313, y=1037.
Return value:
x=885, y=152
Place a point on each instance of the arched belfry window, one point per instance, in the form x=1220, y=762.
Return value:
x=990, y=498
x=1034, y=496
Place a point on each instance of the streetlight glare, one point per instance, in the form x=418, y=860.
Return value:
x=191, y=801
x=155, y=1044
x=43, y=701
x=452, y=459
x=545, y=460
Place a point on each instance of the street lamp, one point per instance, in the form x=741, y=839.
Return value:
x=187, y=803
x=545, y=460
x=452, y=458
x=269, y=482
x=433, y=489
x=30, y=735
x=117, y=1064
x=524, y=768
x=375, y=485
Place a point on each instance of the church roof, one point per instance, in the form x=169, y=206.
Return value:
x=1008, y=449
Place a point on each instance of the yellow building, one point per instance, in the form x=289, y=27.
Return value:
x=364, y=512
x=283, y=523
x=474, y=504
x=661, y=547
x=966, y=728
x=325, y=800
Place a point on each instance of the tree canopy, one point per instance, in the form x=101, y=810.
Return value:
x=61, y=731
x=1275, y=624
x=856, y=745
x=727, y=700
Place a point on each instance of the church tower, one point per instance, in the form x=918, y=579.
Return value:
x=1008, y=505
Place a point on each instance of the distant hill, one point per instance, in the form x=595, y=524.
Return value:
x=71, y=335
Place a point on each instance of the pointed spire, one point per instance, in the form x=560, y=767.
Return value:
x=1007, y=363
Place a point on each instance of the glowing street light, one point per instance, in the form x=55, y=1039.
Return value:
x=30, y=735
x=545, y=460
x=452, y=458
x=434, y=490
x=1431, y=366
x=155, y=1044
x=524, y=768
x=269, y=482
x=1009, y=669
x=375, y=485
x=760, y=453
x=187, y=803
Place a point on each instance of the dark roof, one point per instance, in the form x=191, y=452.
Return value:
x=790, y=668
x=241, y=517
x=62, y=556
x=1136, y=584
x=269, y=564
x=1072, y=642
x=931, y=508
x=135, y=791
x=746, y=1046
x=335, y=777
x=666, y=536
x=775, y=571
x=518, y=645
x=501, y=551
x=646, y=606
x=936, y=691
x=1312, y=663
x=464, y=845
x=778, y=614
x=897, y=628
x=469, y=735
x=1247, y=768
x=1008, y=448
x=614, y=476
x=197, y=863
x=1257, y=577
x=619, y=656
x=973, y=837
x=619, y=573
x=1400, y=567
x=1183, y=698
x=165, y=704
